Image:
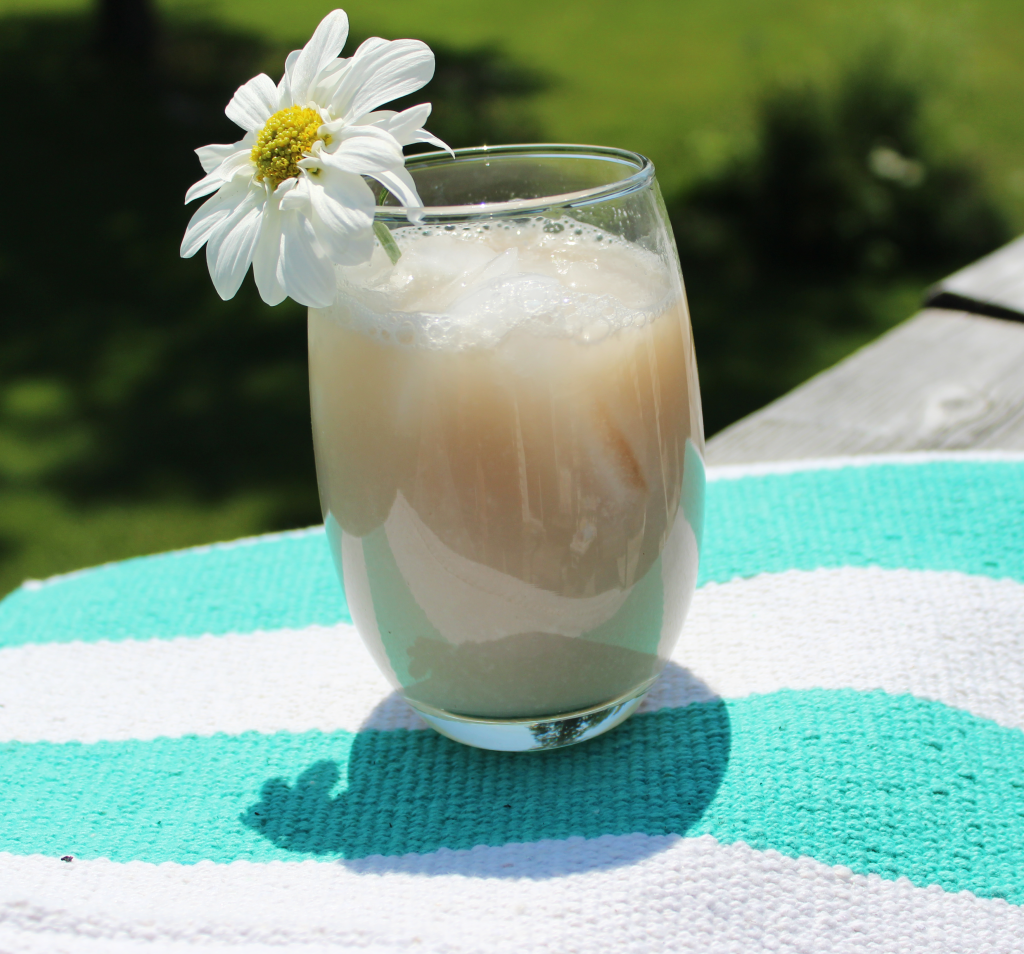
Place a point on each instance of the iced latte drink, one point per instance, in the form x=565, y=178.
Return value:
x=509, y=450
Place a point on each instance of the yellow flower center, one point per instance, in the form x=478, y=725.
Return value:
x=288, y=134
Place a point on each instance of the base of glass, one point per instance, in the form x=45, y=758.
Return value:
x=531, y=735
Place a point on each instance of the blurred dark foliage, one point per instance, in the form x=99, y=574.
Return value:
x=122, y=375
x=126, y=29
x=842, y=202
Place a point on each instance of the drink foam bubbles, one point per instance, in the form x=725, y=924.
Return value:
x=470, y=285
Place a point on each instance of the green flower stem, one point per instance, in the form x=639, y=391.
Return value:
x=384, y=236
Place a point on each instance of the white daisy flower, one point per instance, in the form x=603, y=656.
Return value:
x=290, y=198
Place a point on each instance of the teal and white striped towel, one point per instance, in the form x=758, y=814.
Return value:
x=834, y=761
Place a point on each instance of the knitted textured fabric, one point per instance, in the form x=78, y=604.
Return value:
x=197, y=753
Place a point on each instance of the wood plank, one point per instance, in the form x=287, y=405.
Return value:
x=941, y=380
x=993, y=285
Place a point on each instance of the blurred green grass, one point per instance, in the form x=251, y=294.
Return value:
x=678, y=81
x=49, y=535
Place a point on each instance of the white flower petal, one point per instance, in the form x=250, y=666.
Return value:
x=421, y=135
x=346, y=188
x=323, y=47
x=297, y=195
x=399, y=183
x=379, y=117
x=229, y=252
x=380, y=71
x=238, y=163
x=405, y=126
x=303, y=271
x=268, y=251
x=328, y=81
x=212, y=215
x=212, y=156
x=253, y=103
x=342, y=204
x=363, y=150
x=356, y=248
x=330, y=131
x=204, y=186
x=284, y=95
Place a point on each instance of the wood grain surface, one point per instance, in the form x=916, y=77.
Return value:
x=992, y=285
x=941, y=380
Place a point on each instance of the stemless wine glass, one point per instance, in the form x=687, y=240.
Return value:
x=509, y=443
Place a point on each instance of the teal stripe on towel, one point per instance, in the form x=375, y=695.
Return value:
x=271, y=583
x=893, y=785
x=945, y=515
x=966, y=516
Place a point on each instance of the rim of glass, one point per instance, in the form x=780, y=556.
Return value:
x=642, y=173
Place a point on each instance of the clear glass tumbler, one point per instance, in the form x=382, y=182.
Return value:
x=509, y=443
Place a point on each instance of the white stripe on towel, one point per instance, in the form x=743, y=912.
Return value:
x=666, y=895
x=945, y=636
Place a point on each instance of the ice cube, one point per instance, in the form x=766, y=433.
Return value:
x=430, y=275
x=502, y=302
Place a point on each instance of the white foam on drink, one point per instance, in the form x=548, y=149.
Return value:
x=464, y=286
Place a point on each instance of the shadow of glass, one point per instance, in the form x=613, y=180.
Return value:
x=406, y=793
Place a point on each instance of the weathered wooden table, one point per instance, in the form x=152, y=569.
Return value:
x=943, y=380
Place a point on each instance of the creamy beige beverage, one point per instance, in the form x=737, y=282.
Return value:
x=508, y=440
